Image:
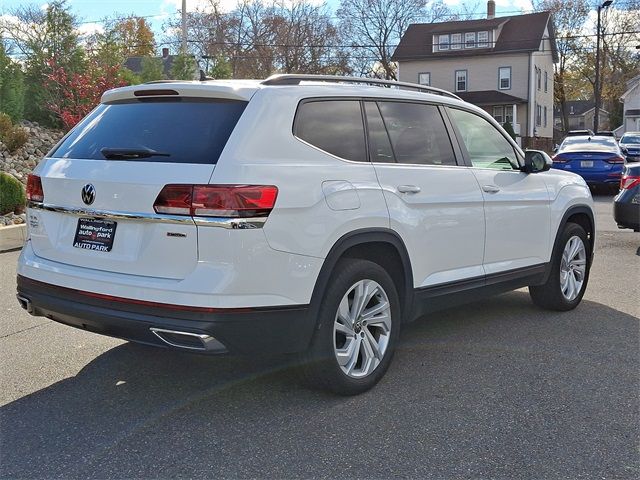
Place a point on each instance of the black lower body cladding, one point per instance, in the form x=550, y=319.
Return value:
x=268, y=330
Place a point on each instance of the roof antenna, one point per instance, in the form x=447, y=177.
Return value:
x=203, y=76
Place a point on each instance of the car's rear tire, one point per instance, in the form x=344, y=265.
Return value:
x=359, y=325
x=569, y=274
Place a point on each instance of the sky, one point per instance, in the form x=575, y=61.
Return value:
x=91, y=12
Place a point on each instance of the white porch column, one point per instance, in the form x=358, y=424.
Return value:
x=514, y=123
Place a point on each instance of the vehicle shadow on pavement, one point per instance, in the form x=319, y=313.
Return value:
x=497, y=388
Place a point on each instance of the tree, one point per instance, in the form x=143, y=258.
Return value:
x=135, y=36
x=183, y=68
x=152, y=69
x=80, y=91
x=11, y=86
x=569, y=17
x=40, y=36
x=374, y=27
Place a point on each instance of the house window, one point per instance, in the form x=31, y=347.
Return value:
x=538, y=115
x=508, y=114
x=443, y=42
x=456, y=41
x=498, y=114
x=470, y=40
x=546, y=81
x=504, y=78
x=545, y=116
x=538, y=77
x=424, y=78
x=461, y=80
x=483, y=39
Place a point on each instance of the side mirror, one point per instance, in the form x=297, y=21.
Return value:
x=624, y=150
x=556, y=148
x=536, y=161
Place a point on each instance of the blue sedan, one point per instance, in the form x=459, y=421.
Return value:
x=597, y=159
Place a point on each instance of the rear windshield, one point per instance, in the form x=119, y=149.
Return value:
x=630, y=139
x=176, y=130
x=577, y=144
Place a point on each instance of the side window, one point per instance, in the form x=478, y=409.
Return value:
x=417, y=133
x=487, y=147
x=334, y=126
x=379, y=144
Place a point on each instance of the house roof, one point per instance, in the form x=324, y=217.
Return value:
x=490, y=97
x=580, y=107
x=135, y=64
x=631, y=85
x=520, y=33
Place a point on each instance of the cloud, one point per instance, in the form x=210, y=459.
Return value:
x=202, y=5
x=90, y=28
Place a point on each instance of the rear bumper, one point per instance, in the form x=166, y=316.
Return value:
x=266, y=330
x=627, y=215
x=600, y=177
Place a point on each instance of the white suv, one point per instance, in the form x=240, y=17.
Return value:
x=299, y=214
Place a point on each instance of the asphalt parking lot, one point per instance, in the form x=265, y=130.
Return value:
x=495, y=389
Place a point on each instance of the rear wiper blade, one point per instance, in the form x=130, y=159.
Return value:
x=130, y=153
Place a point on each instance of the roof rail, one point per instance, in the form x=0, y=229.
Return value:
x=295, y=79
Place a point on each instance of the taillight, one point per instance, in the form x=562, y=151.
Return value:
x=34, y=189
x=174, y=200
x=615, y=159
x=230, y=201
x=559, y=159
x=628, y=182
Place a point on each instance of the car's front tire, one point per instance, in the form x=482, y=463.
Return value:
x=359, y=325
x=569, y=274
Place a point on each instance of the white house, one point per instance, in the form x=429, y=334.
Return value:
x=504, y=65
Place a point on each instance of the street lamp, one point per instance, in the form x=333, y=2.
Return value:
x=596, y=115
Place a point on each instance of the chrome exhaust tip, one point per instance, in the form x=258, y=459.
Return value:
x=25, y=303
x=189, y=341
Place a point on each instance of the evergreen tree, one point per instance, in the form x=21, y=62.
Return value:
x=152, y=69
x=183, y=68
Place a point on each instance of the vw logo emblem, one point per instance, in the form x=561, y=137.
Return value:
x=88, y=194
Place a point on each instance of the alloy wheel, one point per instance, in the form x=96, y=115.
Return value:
x=362, y=328
x=573, y=267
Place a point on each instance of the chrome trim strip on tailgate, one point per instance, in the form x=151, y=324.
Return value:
x=222, y=222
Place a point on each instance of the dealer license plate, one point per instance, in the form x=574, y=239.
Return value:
x=95, y=234
x=586, y=164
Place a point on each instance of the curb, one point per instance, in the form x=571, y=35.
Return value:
x=12, y=237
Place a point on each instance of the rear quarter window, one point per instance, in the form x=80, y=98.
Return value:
x=187, y=130
x=334, y=126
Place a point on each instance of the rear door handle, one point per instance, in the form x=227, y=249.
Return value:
x=408, y=189
x=491, y=189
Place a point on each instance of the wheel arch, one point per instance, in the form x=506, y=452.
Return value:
x=583, y=216
x=380, y=245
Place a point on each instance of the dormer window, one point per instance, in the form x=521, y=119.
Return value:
x=443, y=42
x=459, y=41
x=470, y=40
x=456, y=41
x=483, y=39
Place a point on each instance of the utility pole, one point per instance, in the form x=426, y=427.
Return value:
x=596, y=113
x=184, y=27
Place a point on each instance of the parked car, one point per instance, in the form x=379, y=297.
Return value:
x=573, y=133
x=300, y=214
x=626, y=205
x=630, y=146
x=598, y=160
x=606, y=133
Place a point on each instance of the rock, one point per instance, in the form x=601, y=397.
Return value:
x=21, y=163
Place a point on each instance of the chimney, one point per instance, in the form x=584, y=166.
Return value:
x=165, y=52
x=491, y=9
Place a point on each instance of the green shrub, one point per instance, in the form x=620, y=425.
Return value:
x=6, y=124
x=15, y=138
x=11, y=193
